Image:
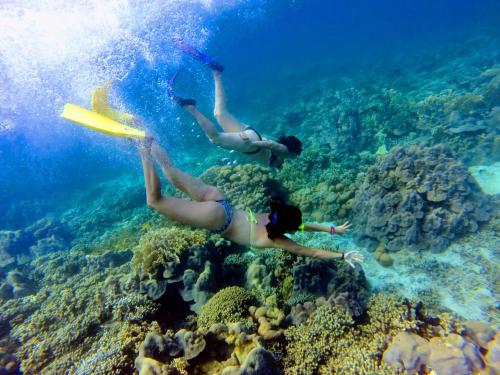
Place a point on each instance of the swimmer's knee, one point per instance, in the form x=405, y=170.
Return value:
x=220, y=114
x=153, y=202
x=214, y=138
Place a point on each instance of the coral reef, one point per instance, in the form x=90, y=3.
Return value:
x=163, y=246
x=474, y=351
x=329, y=341
x=222, y=348
x=314, y=278
x=487, y=177
x=418, y=197
x=81, y=319
x=227, y=306
x=174, y=256
x=20, y=246
x=121, y=299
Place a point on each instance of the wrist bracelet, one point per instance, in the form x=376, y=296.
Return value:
x=332, y=230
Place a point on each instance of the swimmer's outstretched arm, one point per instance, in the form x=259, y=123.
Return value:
x=339, y=229
x=287, y=244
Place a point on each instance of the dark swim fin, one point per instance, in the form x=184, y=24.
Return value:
x=197, y=55
x=170, y=91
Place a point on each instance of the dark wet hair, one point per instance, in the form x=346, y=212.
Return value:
x=291, y=142
x=283, y=218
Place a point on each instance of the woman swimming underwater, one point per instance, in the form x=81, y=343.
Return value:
x=236, y=135
x=210, y=209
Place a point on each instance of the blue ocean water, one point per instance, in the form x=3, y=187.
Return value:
x=354, y=80
x=261, y=43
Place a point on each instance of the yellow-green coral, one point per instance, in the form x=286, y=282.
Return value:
x=287, y=287
x=163, y=245
x=311, y=344
x=229, y=305
x=330, y=343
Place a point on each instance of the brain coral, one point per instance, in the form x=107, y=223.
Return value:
x=419, y=197
x=228, y=305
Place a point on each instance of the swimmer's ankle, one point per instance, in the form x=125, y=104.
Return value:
x=186, y=102
x=216, y=67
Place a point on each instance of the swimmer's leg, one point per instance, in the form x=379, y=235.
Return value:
x=151, y=179
x=225, y=119
x=200, y=214
x=208, y=126
x=194, y=187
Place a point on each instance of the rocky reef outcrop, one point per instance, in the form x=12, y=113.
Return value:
x=418, y=198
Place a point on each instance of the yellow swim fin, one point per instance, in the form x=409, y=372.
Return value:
x=100, y=123
x=100, y=104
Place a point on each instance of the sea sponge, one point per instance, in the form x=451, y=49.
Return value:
x=228, y=305
x=158, y=247
x=418, y=198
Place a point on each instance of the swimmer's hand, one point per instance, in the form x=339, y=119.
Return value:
x=353, y=257
x=341, y=229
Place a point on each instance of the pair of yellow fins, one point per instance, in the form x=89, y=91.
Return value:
x=103, y=118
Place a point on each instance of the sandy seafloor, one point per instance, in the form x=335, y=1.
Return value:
x=77, y=297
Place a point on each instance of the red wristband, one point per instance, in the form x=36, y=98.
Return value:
x=332, y=230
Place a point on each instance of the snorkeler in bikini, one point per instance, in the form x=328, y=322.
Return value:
x=210, y=209
x=236, y=135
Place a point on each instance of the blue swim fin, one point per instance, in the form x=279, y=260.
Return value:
x=197, y=55
x=171, y=94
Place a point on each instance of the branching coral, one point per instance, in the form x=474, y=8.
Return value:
x=311, y=344
x=330, y=342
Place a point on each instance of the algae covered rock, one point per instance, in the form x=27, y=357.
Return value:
x=228, y=305
x=419, y=197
